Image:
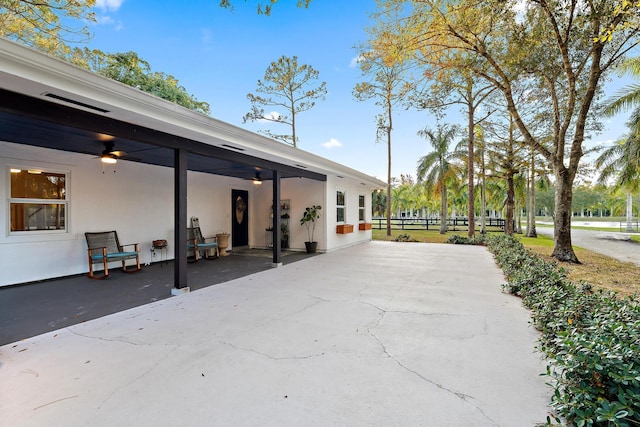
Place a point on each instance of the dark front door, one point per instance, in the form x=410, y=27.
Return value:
x=240, y=218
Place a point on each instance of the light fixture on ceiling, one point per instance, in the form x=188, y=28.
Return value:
x=109, y=159
x=109, y=155
x=256, y=179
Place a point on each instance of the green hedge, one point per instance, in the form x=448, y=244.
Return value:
x=590, y=338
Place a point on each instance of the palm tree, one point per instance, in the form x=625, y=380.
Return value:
x=378, y=203
x=436, y=168
x=629, y=96
x=623, y=158
x=520, y=188
x=622, y=161
x=401, y=198
x=422, y=202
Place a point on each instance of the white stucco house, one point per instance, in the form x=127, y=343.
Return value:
x=57, y=120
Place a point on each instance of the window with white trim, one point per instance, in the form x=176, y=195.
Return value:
x=361, y=211
x=38, y=200
x=341, y=213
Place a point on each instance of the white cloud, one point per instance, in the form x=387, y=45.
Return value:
x=274, y=115
x=105, y=20
x=109, y=5
x=332, y=143
x=356, y=61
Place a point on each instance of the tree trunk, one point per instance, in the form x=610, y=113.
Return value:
x=563, y=250
x=293, y=125
x=470, y=171
x=443, y=209
x=510, y=205
x=511, y=194
x=531, y=199
x=389, y=172
x=483, y=196
x=629, y=212
x=388, y=213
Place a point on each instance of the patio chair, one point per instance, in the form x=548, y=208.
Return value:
x=104, y=247
x=196, y=243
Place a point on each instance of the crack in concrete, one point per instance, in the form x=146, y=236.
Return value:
x=283, y=317
x=139, y=377
x=418, y=313
x=464, y=397
x=104, y=339
x=365, y=288
x=269, y=356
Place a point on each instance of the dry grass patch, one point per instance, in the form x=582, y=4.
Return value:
x=599, y=270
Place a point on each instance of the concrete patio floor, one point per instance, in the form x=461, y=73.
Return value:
x=35, y=308
x=381, y=334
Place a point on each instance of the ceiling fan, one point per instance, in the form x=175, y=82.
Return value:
x=108, y=155
x=257, y=180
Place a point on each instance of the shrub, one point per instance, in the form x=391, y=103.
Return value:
x=404, y=238
x=457, y=239
x=591, y=339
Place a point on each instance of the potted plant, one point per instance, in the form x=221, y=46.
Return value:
x=284, y=236
x=311, y=214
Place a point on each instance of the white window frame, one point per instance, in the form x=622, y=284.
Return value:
x=362, y=210
x=342, y=207
x=66, y=202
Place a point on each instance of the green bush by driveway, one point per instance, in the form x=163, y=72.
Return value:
x=591, y=339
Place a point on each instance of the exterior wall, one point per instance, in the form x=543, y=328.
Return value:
x=136, y=201
x=302, y=193
x=209, y=200
x=352, y=190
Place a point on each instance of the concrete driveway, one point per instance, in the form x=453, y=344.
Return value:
x=381, y=334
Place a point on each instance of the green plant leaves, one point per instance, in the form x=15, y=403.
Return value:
x=590, y=338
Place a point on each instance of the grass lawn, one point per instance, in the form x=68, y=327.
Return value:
x=425, y=236
x=599, y=270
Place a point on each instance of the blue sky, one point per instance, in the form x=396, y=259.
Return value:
x=218, y=55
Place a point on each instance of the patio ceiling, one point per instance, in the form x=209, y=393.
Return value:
x=43, y=123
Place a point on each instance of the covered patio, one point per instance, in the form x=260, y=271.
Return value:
x=43, y=115
x=173, y=164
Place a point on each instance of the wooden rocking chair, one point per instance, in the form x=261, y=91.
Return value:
x=196, y=243
x=104, y=247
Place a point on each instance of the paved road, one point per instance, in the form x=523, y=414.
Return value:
x=614, y=244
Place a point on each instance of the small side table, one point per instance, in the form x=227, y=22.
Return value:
x=163, y=252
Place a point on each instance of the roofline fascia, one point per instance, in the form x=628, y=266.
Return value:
x=154, y=112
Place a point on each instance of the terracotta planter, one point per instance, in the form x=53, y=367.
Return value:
x=344, y=228
x=223, y=243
